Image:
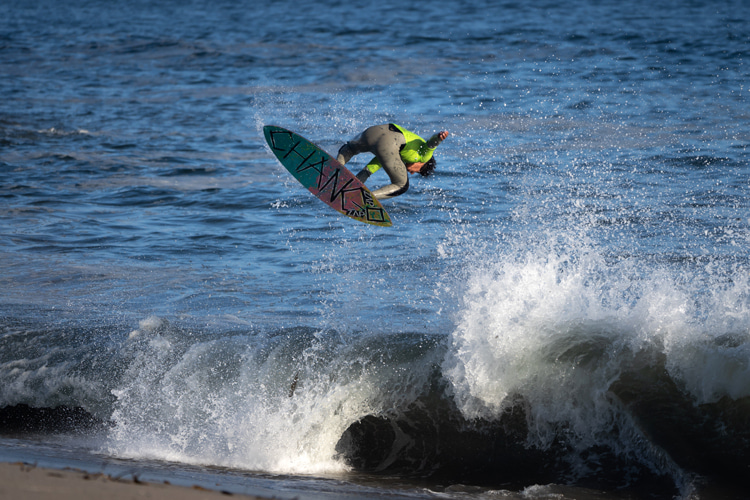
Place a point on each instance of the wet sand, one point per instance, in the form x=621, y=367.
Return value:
x=19, y=480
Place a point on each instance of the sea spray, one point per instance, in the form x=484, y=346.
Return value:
x=276, y=401
x=553, y=321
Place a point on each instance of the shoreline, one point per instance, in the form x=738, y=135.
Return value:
x=23, y=480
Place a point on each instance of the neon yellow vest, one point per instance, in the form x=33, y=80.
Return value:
x=415, y=150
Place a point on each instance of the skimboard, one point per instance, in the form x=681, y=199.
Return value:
x=325, y=177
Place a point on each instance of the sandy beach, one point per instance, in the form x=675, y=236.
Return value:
x=19, y=480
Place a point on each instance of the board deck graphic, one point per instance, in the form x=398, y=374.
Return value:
x=325, y=177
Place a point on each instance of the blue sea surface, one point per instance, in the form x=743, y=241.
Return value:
x=561, y=311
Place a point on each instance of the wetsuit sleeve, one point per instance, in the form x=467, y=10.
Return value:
x=373, y=166
x=369, y=169
x=434, y=142
x=363, y=175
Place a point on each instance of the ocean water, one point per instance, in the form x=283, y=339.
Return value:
x=561, y=311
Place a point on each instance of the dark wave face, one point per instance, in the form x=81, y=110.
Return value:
x=564, y=303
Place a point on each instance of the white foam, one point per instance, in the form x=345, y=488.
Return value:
x=554, y=321
x=274, y=404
